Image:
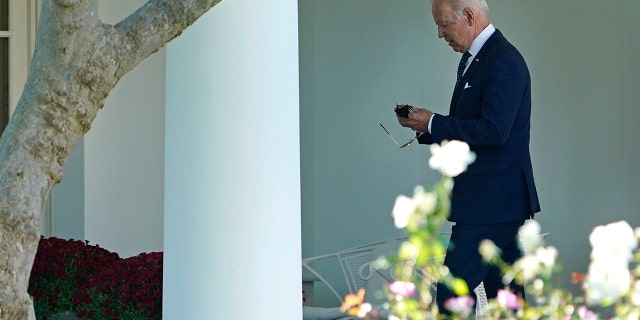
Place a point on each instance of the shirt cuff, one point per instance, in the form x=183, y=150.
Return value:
x=429, y=126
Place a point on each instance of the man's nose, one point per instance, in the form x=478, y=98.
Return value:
x=440, y=33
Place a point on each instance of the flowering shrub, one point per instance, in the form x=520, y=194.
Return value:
x=131, y=289
x=71, y=275
x=417, y=266
x=59, y=267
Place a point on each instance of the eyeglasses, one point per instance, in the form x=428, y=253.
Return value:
x=396, y=142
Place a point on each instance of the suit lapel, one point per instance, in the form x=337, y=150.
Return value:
x=477, y=60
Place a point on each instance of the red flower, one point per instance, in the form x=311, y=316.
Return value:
x=577, y=277
x=79, y=298
x=73, y=275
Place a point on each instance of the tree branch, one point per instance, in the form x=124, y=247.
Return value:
x=153, y=25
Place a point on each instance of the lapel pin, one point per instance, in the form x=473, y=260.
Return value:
x=477, y=60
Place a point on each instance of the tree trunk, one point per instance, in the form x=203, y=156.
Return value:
x=77, y=62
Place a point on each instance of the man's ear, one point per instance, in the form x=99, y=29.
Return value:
x=469, y=16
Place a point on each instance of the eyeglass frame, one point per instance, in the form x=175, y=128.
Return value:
x=396, y=142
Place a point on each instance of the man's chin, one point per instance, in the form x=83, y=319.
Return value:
x=455, y=47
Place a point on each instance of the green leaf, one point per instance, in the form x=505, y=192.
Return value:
x=460, y=287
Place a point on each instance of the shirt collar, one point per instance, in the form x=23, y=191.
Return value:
x=479, y=41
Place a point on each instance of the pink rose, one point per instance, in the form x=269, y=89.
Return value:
x=507, y=299
x=402, y=288
x=460, y=305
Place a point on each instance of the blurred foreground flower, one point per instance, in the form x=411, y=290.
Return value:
x=606, y=282
x=402, y=210
x=354, y=305
x=460, y=305
x=451, y=158
x=529, y=236
x=488, y=250
x=609, y=278
x=402, y=288
x=507, y=299
x=415, y=209
x=417, y=266
x=615, y=241
x=586, y=314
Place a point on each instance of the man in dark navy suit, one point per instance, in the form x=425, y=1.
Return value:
x=490, y=110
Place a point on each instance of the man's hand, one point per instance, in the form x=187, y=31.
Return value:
x=418, y=119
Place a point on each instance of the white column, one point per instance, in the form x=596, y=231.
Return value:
x=232, y=172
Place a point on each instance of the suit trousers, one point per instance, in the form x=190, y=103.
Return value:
x=465, y=262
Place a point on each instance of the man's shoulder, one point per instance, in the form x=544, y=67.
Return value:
x=498, y=40
x=498, y=45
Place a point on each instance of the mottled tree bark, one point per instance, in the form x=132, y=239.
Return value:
x=77, y=62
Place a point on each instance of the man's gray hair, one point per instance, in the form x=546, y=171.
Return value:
x=479, y=6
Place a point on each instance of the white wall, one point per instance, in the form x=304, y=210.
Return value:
x=355, y=66
x=358, y=57
x=66, y=202
x=124, y=156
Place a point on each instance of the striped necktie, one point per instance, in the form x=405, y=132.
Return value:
x=462, y=65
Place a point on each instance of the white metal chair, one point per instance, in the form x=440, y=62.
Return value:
x=358, y=268
x=355, y=264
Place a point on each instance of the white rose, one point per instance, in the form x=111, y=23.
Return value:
x=425, y=202
x=402, y=210
x=529, y=236
x=614, y=241
x=547, y=256
x=529, y=265
x=451, y=158
x=606, y=282
x=488, y=250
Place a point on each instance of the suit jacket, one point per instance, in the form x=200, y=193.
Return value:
x=490, y=110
